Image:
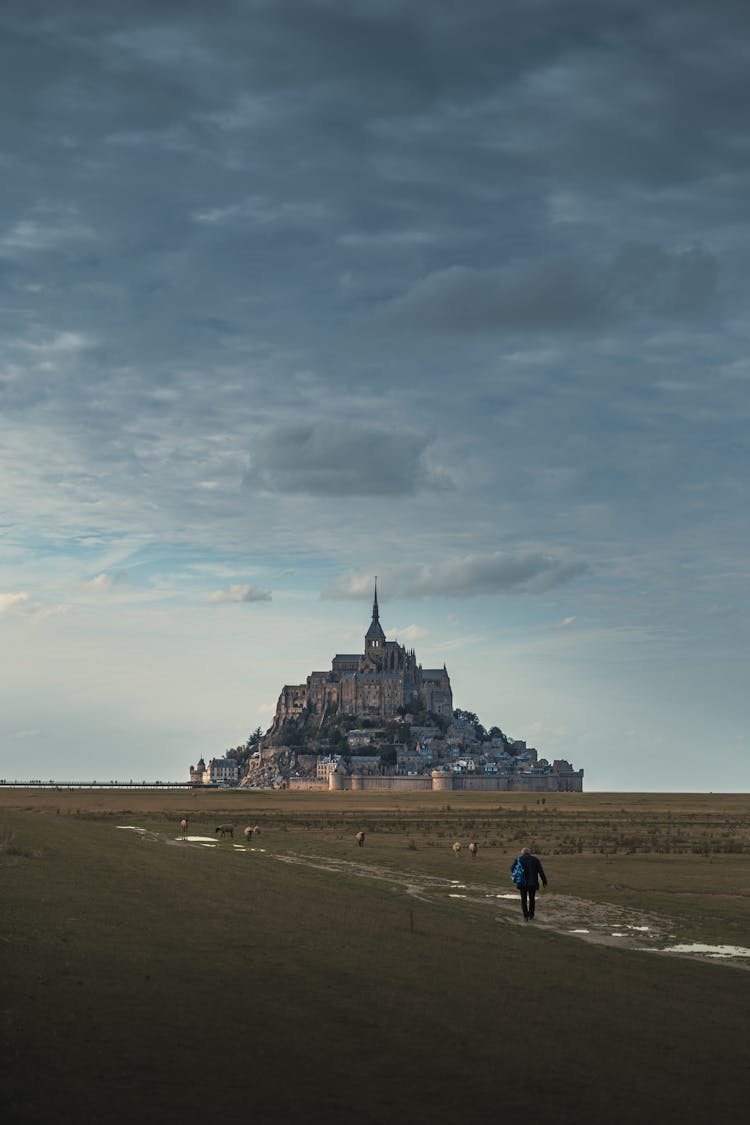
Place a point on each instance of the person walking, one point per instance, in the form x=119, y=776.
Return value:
x=532, y=873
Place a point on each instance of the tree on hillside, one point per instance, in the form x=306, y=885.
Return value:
x=337, y=742
x=243, y=753
x=394, y=732
x=466, y=716
x=473, y=721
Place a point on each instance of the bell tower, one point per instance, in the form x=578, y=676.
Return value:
x=375, y=637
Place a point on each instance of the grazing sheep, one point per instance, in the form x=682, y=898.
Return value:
x=473, y=849
x=456, y=849
x=360, y=838
x=224, y=830
x=256, y=830
x=248, y=834
x=184, y=826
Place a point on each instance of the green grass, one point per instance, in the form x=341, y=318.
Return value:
x=145, y=982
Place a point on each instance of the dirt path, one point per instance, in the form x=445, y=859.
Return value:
x=600, y=923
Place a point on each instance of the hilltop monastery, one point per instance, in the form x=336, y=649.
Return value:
x=385, y=692
x=371, y=685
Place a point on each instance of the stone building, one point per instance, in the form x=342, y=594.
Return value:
x=221, y=771
x=372, y=685
x=197, y=773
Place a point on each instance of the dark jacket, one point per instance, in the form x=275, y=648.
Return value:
x=532, y=869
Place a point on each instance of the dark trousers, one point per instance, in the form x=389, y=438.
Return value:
x=528, y=894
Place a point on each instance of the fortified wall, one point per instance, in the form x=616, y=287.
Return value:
x=564, y=779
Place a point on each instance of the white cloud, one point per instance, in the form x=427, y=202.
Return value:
x=28, y=234
x=44, y=612
x=61, y=342
x=100, y=584
x=239, y=593
x=10, y=602
x=409, y=633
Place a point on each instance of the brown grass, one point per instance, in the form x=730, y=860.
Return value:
x=145, y=980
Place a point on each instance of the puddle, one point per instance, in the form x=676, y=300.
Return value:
x=197, y=839
x=457, y=896
x=130, y=828
x=579, y=931
x=619, y=935
x=708, y=950
x=506, y=894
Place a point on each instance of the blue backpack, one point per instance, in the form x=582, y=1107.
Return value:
x=517, y=874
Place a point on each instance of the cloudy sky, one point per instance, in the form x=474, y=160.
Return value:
x=297, y=292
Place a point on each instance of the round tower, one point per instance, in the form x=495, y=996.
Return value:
x=442, y=778
x=336, y=780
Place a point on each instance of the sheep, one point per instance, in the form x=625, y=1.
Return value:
x=256, y=830
x=456, y=849
x=473, y=849
x=360, y=838
x=224, y=830
x=248, y=834
x=184, y=826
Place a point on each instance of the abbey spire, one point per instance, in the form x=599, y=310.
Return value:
x=375, y=637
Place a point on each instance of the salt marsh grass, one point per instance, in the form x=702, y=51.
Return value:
x=146, y=978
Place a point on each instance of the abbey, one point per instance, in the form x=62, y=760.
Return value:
x=373, y=685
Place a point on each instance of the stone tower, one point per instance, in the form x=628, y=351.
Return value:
x=375, y=637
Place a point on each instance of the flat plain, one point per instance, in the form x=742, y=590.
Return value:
x=300, y=978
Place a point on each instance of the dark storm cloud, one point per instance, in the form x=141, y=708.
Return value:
x=468, y=577
x=640, y=282
x=214, y=204
x=328, y=458
x=336, y=156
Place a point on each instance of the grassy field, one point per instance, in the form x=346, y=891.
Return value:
x=150, y=980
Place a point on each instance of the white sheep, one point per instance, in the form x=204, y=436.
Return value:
x=456, y=849
x=184, y=827
x=473, y=849
x=360, y=838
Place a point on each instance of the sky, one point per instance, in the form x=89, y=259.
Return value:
x=298, y=292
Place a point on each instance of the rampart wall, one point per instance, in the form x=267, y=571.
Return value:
x=509, y=783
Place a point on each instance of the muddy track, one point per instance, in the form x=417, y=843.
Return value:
x=599, y=923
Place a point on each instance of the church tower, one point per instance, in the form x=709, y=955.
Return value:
x=375, y=637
